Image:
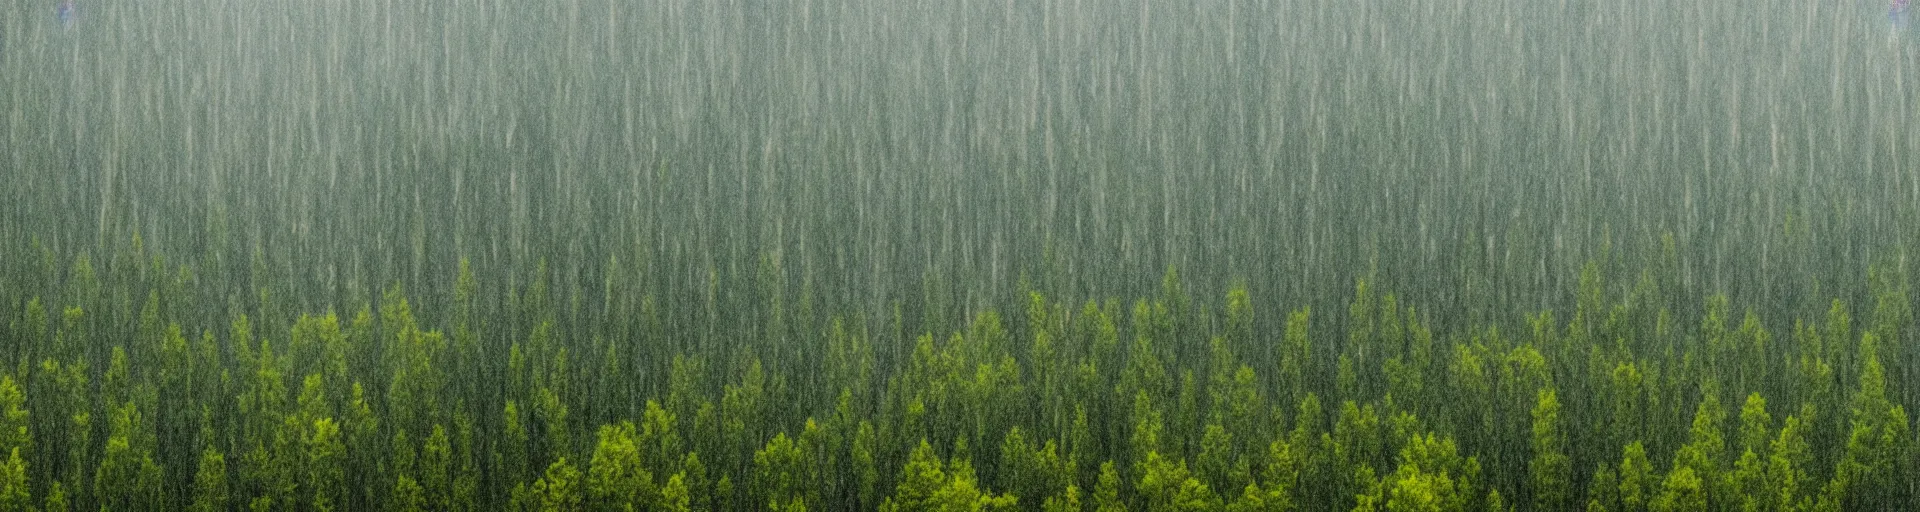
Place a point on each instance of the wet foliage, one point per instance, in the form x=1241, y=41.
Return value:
x=1039, y=255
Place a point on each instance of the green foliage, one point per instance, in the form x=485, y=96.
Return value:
x=1106, y=493
x=1296, y=357
x=1550, y=469
x=15, y=493
x=780, y=473
x=928, y=484
x=56, y=499
x=1787, y=482
x=326, y=456
x=1206, y=409
x=14, y=419
x=1432, y=475
x=1682, y=490
x=616, y=476
x=127, y=476
x=558, y=490
x=1034, y=470
x=1639, y=484
x=675, y=496
x=210, y=492
x=1165, y=486
x=1067, y=501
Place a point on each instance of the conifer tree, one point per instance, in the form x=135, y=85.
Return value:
x=1550, y=469
x=210, y=492
x=616, y=479
x=14, y=418
x=1067, y=501
x=1638, y=482
x=15, y=492
x=675, y=496
x=325, y=455
x=559, y=489
x=1106, y=493
x=779, y=471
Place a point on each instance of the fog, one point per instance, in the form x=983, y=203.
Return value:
x=740, y=183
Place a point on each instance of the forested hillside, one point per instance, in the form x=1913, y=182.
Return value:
x=121, y=394
x=1093, y=255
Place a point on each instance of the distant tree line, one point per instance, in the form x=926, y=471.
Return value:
x=117, y=397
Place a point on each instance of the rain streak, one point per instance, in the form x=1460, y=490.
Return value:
x=1036, y=255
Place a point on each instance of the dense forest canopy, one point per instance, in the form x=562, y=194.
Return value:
x=1038, y=255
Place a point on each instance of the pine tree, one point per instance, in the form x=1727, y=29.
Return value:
x=14, y=419
x=675, y=497
x=1628, y=404
x=927, y=484
x=1295, y=357
x=866, y=469
x=559, y=489
x=1603, y=491
x=1550, y=469
x=615, y=477
x=1878, y=440
x=779, y=471
x=15, y=492
x=1031, y=470
x=56, y=498
x=1166, y=486
x=922, y=476
x=1682, y=491
x=1432, y=476
x=1787, y=462
x=1279, y=477
x=1067, y=501
x=1638, y=484
x=1218, y=463
x=1106, y=493
x=127, y=477
x=1703, y=455
x=325, y=454
x=1755, y=425
x=210, y=482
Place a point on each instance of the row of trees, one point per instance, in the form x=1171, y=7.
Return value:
x=1168, y=402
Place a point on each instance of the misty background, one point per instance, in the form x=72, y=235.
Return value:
x=941, y=157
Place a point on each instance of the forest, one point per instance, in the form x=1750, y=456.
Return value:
x=536, y=400
x=1042, y=255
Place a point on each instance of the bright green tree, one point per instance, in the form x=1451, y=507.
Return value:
x=927, y=485
x=675, y=496
x=1682, y=491
x=1871, y=468
x=14, y=419
x=1166, y=486
x=325, y=454
x=1551, y=472
x=1106, y=492
x=1067, y=501
x=1638, y=482
x=616, y=479
x=127, y=477
x=559, y=489
x=1432, y=476
x=1033, y=470
x=659, y=437
x=780, y=471
x=15, y=492
x=1789, y=456
x=210, y=482
x=1704, y=456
